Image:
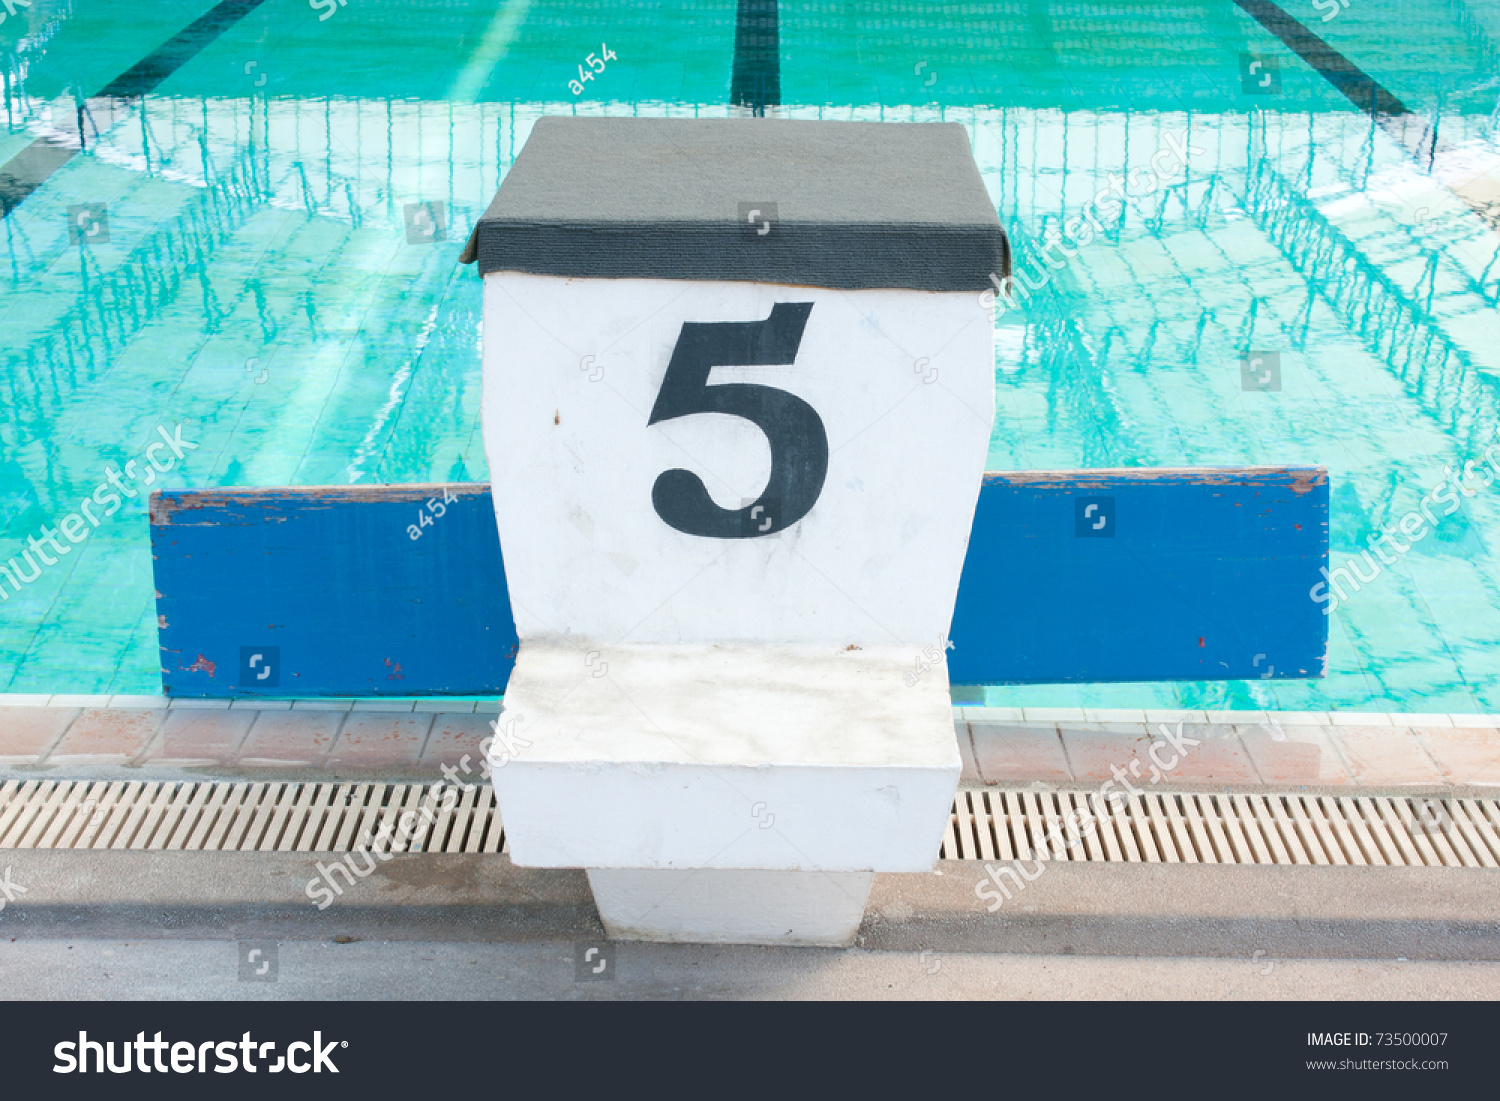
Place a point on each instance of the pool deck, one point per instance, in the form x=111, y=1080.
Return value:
x=151, y=737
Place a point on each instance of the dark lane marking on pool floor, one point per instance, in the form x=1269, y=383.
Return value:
x=34, y=165
x=1407, y=129
x=1359, y=87
x=145, y=75
x=29, y=169
x=756, y=81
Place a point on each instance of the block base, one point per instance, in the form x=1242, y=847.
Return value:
x=719, y=906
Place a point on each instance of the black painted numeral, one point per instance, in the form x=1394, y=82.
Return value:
x=799, y=444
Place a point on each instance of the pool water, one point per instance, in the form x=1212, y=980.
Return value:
x=253, y=279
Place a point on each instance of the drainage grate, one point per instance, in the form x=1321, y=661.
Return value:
x=1158, y=827
x=1155, y=827
x=241, y=817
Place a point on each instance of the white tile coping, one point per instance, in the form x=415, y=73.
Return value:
x=1302, y=718
x=990, y=714
x=1488, y=721
x=1105, y=715
x=1360, y=718
x=1409, y=719
x=1176, y=716
x=1433, y=719
x=440, y=705
x=79, y=701
x=1054, y=714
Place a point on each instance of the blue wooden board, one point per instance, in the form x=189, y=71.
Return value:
x=1172, y=575
x=1205, y=577
x=329, y=584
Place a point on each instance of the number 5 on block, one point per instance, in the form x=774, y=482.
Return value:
x=799, y=443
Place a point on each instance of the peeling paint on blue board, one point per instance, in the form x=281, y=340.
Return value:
x=400, y=590
x=332, y=579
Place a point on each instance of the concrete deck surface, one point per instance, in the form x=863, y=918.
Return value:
x=147, y=925
x=424, y=970
x=171, y=925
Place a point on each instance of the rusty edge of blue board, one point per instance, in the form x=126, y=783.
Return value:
x=1208, y=576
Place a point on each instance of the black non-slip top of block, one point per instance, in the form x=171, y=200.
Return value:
x=831, y=204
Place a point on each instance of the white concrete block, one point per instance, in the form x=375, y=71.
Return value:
x=732, y=907
x=789, y=758
x=734, y=507
x=875, y=559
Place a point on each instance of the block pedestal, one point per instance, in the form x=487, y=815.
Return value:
x=738, y=390
x=708, y=906
x=741, y=794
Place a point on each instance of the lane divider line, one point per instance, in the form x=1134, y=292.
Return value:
x=756, y=79
x=1476, y=188
x=34, y=165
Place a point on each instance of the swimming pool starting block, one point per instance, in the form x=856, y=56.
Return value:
x=719, y=572
x=739, y=389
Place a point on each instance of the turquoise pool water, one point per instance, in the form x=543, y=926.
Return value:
x=258, y=288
